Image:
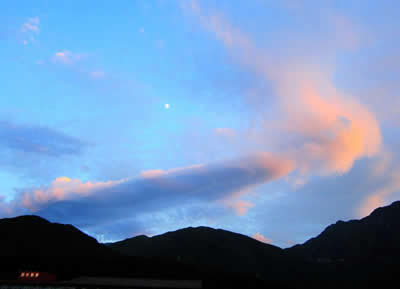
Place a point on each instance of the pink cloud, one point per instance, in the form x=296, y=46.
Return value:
x=347, y=32
x=30, y=29
x=66, y=57
x=239, y=206
x=336, y=129
x=158, y=172
x=152, y=173
x=62, y=188
x=225, y=132
x=381, y=195
x=275, y=167
x=219, y=183
x=261, y=238
x=331, y=129
x=32, y=24
x=97, y=74
x=371, y=203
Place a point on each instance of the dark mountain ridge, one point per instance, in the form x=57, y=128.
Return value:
x=34, y=236
x=344, y=254
x=375, y=237
x=205, y=246
x=33, y=243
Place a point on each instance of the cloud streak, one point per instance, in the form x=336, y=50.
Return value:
x=30, y=29
x=91, y=204
x=386, y=169
x=66, y=57
x=38, y=140
x=328, y=129
x=261, y=238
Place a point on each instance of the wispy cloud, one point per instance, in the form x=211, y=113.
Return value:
x=225, y=132
x=67, y=57
x=60, y=189
x=386, y=173
x=329, y=129
x=97, y=74
x=40, y=140
x=261, y=238
x=30, y=29
x=90, y=204
x=37, y=152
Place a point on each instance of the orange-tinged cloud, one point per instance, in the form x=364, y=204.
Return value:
x=67, y=57
x=152, y=173
x=225, y=132
x=261, y=238
x=380, y=196
x=268, y=166
x=336, y=129
x=332, y=129
x=240, y=207
x=371, y=203
x=157, y=172
x=62, y=188
x=224, y=183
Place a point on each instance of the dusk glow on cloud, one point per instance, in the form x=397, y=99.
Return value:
x=261, y=238
x=252, y=117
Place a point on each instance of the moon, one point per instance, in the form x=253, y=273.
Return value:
x=166, y=105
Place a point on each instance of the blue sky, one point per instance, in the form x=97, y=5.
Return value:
x=283, y=116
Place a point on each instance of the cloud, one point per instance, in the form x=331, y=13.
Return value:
x=97, y=74
x=60, y=189
x=81, y=65
x=32, y=24
x=38, y=140
x=225, y=132
x=347, y=32
x=323, y=129
x=301, y=112
x=261, y=238
x=239, y=206
x=29, y=29
x=66, y=57
x=93, y=204
x=38, y=153
x=334, y=128
x=389, y=174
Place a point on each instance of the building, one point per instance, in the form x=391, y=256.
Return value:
x=43, y=280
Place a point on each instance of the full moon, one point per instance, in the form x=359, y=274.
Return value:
x=166, y=105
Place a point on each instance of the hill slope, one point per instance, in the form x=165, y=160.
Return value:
x=209, y=248
x=375, y=238
x=33, y=243
x=35, y=236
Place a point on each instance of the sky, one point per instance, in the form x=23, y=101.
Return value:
x=272, y=119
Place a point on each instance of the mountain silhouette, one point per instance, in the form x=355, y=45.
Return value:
x=33, y=243
x=34, y=236
x=358, y=253
x=224, y=259
x=205, y=246
x=375, y=237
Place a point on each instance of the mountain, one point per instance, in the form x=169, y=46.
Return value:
x=35, y=236
x=209, y=248
x=353, y=254
x=33, y=243
x=346, y=254
x=373, y=238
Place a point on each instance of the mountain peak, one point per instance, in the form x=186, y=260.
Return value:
x=31, y=235
x=26, y=219
x=373, y=236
